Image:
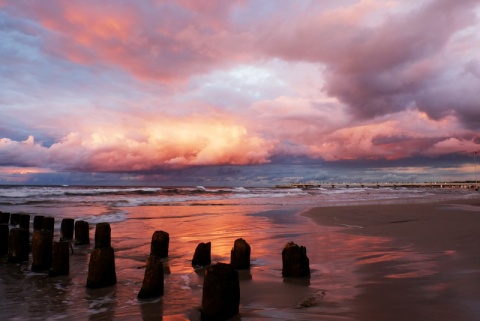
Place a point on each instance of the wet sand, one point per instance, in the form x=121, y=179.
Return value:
x=445, y=235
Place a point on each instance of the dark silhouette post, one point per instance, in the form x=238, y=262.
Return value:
x=66, y=229
x=221, y=292
x=4, y=218
x=24, y=221
x=38, y=222
x=4, y=233
x=240, y=255
x=153, y=280
x=102, y=235
x=295, y=261
x=202, y=255
x=18, y=245
x=159, y=244
x=82, y=233
x=101, y=268
x=42, y=248
x=61, y=259
x=48, y=224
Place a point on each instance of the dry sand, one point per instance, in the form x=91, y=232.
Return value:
x=445, y=234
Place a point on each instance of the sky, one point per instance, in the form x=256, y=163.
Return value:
x=238, y=93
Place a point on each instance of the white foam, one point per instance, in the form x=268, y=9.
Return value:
x=110, y=217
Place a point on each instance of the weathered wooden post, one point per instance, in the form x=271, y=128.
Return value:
x=240, y=255
x=102, y=235
x=82, y=233
x=42, y=247
x=48, y=223
x=295, y=261
x=66, y=229
x=14, y=219
x=38, y=222
x=221, y=292
x=159, y=244
x=101, y=268
x=18, y=245
x=24, y=221
x=4, y=233
x=153, y=279
x=4, y=218
x=61, y=259
x=202, y=255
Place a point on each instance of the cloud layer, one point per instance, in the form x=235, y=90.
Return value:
x=144, y=86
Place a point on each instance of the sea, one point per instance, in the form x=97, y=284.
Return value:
x=266, y=217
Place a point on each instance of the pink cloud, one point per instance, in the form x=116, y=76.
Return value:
x=370, y=80
x=380, y=58
x=162, y=40
x=402, y=135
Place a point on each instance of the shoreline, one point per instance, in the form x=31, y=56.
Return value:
x=439, y=280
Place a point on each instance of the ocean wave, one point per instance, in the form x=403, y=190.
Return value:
x=113, y=216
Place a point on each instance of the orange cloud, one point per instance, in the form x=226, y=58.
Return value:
x=158, y=142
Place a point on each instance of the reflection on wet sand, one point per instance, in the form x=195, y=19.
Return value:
x=341, y=268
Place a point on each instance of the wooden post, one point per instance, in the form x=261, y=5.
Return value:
x=14, y=219
x=240, y=255
x=153, y=280
x=159, y=244
x=102, y=235
x=38, y=222
x=24, y=221
x=4, y=233
x=61, y=259
x=66, y=229
x=48, y=224
x=101, y=268
x=221, y=292
x=82, y=233
x=18, y=245
x=4, y=218
x=295, y=261
x=42, y=247
x=202, y=255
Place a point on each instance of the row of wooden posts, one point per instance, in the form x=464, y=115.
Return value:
x=221, y=290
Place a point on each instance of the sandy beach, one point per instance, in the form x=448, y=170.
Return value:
x=385, y=254
x=443, y=284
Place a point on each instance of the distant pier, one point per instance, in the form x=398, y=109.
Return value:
x=468, y=185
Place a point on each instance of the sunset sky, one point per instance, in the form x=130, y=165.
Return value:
x=238, y=92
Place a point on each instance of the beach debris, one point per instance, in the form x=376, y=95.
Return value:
x=82, y=233
x=48, y=223
x=18, y=245
x=352, y=226
x=61, y=259
x=42, y=247
x=153, y=279
x=101, y=268
x=295, y=262
x=24, y=221
x=240, y=255
x=4, y=218
x=159, y=244
x=4, y=233
x=221, y=292
x=102, y=235
x=308, y=303
x=38, y=222
x=202, y=255
x=66, y=229
x=14, y=219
